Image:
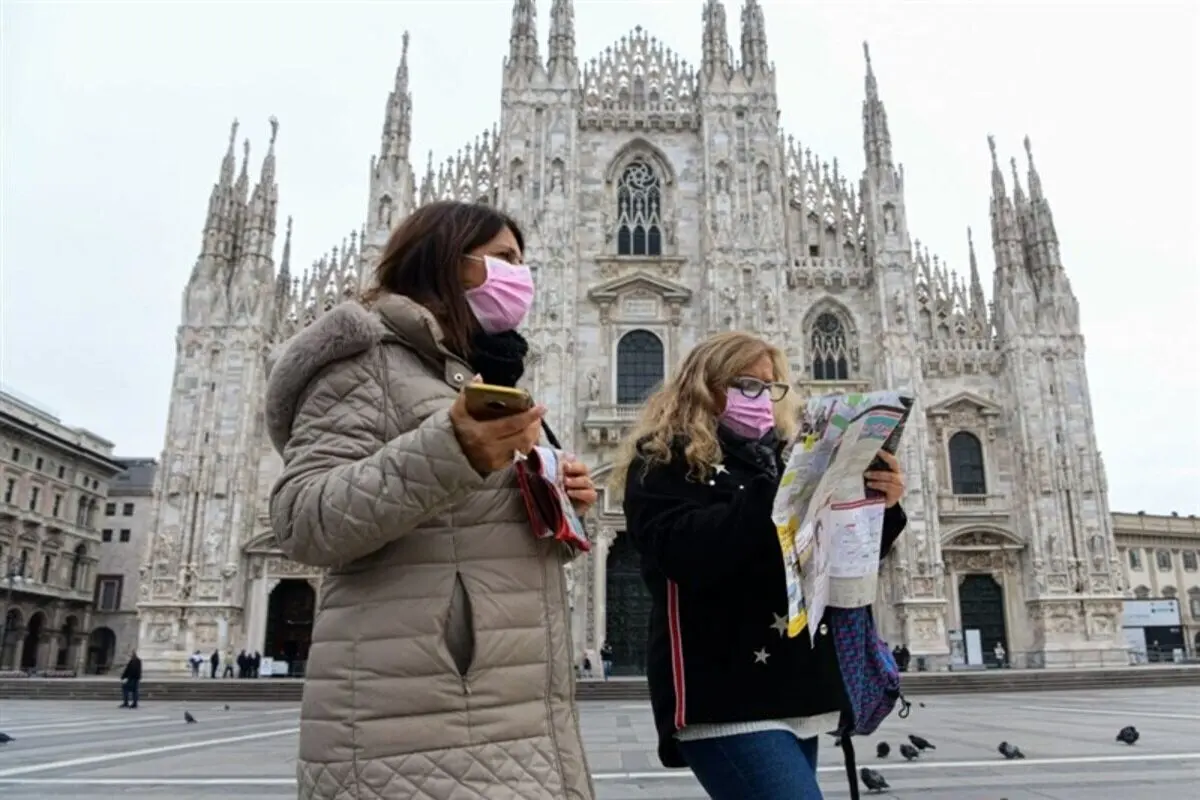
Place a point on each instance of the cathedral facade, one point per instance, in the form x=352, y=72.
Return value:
x=661, y=203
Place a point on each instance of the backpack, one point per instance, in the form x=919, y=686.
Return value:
x=870, y=676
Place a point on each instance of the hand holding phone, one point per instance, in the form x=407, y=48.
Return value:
x=487, y=402
x=491, y=425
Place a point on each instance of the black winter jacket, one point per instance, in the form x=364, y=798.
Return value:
x=133, y=670
x=718, y=648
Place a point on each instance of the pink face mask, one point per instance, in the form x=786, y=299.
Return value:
x=501, y=302
x=748, y=417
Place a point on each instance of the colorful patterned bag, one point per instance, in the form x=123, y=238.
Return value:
x=869, y=670
x=871, y=678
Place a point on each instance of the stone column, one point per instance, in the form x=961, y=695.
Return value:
x=600, y=587
x=256, y=612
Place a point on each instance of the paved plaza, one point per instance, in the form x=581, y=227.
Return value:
x=92, y=750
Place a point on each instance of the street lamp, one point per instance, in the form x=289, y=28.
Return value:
x=13, y=574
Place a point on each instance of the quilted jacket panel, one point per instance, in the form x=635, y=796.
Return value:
x=441, y=661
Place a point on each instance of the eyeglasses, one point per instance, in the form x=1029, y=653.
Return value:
x=752, y=388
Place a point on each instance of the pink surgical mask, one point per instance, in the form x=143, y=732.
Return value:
x=501, y=302
x=748, y=417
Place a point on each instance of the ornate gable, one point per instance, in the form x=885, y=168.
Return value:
x=639, y=83
x=640, y=296
x=964, y=403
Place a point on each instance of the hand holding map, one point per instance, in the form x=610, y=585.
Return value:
x=829, y=521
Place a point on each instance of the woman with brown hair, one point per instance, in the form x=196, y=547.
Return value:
x=441, y=662
x=734, y=698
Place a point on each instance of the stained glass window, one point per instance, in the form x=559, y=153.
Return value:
x=639, y=366
x=639, y=211
x=966, y=464
x=830, y=350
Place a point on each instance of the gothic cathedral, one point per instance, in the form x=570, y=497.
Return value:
x=661, y=203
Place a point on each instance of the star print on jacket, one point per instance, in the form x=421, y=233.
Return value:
x=761, y=656
x=780, y=625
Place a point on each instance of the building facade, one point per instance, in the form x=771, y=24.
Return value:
x=662, y=203
x=1161, y=559
x=53, y=484
x=126, y=524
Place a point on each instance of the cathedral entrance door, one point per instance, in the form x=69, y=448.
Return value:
x=290, y=612
x=627, y=608
x=102, y=648
x=981, y=606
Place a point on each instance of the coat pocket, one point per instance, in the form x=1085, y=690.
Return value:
x=459, y=631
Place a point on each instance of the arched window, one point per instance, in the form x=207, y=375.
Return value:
x=1141, y=593
x=1163, y=557
x=77, y=566
x=966, y=464
x=639, y=211
x=830, y=350
x=639, y=366
x=1135, y=558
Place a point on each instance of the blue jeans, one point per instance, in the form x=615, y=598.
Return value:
x=768, y=765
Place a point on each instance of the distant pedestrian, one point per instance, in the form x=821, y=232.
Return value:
x=195, y=660
x=131, y=679
x=1000, y=654
x=228, y=673
x=606, y=659
x=215, y=660
x=255, y=664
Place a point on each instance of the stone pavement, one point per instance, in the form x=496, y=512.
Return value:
x=93, y=750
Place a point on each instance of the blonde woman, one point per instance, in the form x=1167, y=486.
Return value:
x=734, y=698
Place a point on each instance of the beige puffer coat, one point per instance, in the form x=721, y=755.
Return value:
x=441, y=663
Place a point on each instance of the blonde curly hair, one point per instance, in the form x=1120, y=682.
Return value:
x=686, y=407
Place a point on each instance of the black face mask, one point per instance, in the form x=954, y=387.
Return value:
x=499, y=358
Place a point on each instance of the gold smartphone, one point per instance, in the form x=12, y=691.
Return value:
x=486, y=402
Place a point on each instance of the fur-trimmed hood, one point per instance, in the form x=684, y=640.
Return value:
x=346, y=330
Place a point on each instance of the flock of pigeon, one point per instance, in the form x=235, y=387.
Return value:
x=187, y=717
x=875, y=782
x=871, y=779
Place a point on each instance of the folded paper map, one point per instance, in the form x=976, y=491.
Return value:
x=829, y=523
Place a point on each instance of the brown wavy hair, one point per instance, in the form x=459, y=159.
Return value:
x=686, y=408
x=423, y=257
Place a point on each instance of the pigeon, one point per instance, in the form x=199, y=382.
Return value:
x=872, y=780
x=882, y=750
x=227, y=706
x=188, y=718
x=1010, y=751
x=1128, y=735
x=922, y=705
x=920, y=742
x=5, y=738
x=909, y=752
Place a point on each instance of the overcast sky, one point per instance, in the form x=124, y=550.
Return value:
x=115, y=117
